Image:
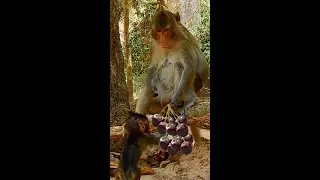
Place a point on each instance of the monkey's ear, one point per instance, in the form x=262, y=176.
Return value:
x=141, y=125
x=177, y=16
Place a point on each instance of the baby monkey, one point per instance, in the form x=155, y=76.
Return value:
x=138, y=136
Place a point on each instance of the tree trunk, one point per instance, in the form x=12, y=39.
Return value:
x=173, y=6
x=119, y=102
x=190, y=14
x=127, y=54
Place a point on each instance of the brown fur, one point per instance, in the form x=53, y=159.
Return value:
x=138, y=137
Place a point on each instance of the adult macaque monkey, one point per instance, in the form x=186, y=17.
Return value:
x=178, y=69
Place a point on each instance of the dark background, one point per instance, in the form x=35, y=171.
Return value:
x=60, y=91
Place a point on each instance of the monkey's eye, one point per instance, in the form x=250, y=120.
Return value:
x=166, y=30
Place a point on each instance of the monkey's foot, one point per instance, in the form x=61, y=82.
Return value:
x=173, y=158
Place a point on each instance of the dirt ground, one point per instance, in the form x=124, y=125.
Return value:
x=195, y=166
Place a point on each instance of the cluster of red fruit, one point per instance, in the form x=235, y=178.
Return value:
x=176, y=133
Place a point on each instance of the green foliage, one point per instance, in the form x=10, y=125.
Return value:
x=203, y=31
x=140, y=39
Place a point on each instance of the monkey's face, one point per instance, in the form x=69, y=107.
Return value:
x=146, y=125
x=164, y=29
x=165, y=37
x=137, y=123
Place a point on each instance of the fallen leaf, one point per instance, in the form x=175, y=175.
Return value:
x=146, y=170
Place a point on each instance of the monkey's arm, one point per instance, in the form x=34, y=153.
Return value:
x=187, y=77
x=151, y=138
x=145, y=99
x=151, y=74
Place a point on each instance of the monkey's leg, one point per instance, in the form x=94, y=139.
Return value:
x=172, y=158
x=144, y=102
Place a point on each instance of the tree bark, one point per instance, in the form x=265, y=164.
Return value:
x=127, y=54
x=190, y=14
x=119, y=102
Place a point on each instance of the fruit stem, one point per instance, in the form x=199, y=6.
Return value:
x=172, y=111
x=164, y=108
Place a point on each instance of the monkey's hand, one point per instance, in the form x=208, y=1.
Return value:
x=176, y=101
